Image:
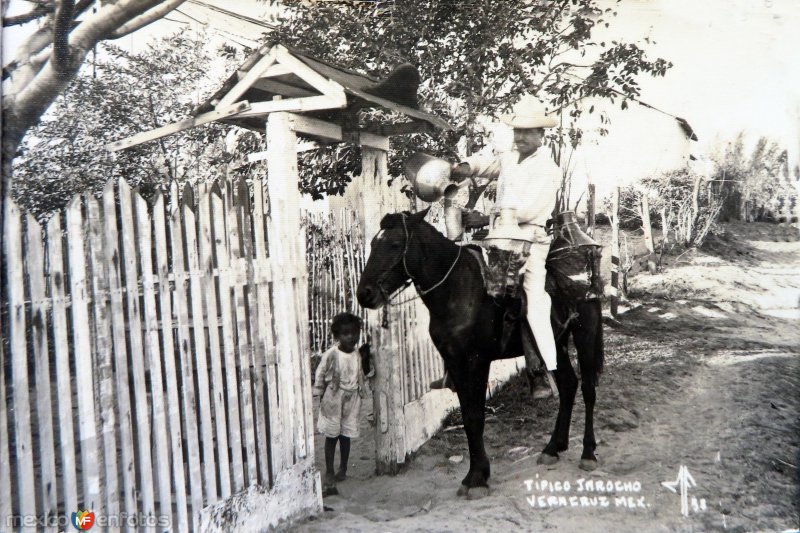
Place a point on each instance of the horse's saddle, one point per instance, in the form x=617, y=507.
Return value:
x=573, y=271
x=573, y=276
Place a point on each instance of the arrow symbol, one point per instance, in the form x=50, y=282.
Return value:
x=683, y=482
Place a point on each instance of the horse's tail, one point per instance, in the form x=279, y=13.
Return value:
x=593, y=348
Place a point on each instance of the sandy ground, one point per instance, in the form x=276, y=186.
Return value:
x=703, y=372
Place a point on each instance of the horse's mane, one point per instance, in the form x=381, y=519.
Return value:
x=394, y=220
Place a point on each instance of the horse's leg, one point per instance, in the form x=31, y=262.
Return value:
x=588, y=459
x=586, y=342
x=470, y=380
x=567, y=383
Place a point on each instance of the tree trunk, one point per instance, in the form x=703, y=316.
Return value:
x=648, y=234
x=694, y=217
x=12, y=137
x=590, y=211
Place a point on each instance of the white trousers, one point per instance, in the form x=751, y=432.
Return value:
x=539, y=302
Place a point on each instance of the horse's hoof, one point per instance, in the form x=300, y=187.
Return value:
x=476, y=493
x=463, y=490
x=588, y=464
x=547, y=459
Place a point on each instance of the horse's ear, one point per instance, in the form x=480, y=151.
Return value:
x=419, y=216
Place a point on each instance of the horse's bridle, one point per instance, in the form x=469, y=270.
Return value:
x=409, y=278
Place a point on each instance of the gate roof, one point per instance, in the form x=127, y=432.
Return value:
x=281, y=78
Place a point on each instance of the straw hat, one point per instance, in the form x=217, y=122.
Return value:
x=529, y=112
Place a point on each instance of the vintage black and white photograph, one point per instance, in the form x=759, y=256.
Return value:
x=400, y=265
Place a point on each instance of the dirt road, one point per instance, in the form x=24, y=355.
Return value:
x=701, y=385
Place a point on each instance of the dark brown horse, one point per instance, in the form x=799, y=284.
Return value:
x=466, y=326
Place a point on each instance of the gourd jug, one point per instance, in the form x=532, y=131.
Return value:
x=429, y=177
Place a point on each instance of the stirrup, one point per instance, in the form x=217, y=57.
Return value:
x=443, y=383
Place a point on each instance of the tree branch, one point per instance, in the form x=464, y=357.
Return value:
x=103, y=23
x=34, y=91
x=22, y=70
x=146, y=18
x=533, y=88
x=36, y=13
x=572, y=65
x=36, y=50
x=169, y=174
x=82, y=6
x=61, y=29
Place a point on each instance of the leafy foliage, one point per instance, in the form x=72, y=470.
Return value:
x=754, y=185
x=687, y=205
x=680, y=202
x=328, y=169
x=476, y=58
x=120, y=95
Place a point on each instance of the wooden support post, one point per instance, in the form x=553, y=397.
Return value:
x=369, y=189
x=281, y=179
x=648, y=234
x=287, y=253
x=590, y=211
x=614, y=300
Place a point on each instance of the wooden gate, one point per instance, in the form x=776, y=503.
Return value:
x=153, y=364
x=335, y=260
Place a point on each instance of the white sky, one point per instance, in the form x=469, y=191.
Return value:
x=734, y=70
x=733, y=65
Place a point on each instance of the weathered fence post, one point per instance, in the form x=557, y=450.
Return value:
x=84, y=377
x=590, y=211
x=615, y=264
x=19, y=363
x=371, y=192
x=281, y=181
x=287, y=250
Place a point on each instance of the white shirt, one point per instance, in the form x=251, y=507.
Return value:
x=529, y=186
x=349, y=366
x=335, y=361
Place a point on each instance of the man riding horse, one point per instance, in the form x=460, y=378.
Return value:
x=527, y=181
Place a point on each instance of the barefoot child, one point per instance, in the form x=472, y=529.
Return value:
x=339, y=381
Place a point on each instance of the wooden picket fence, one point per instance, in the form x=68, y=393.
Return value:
x=420, y=362
x=336, y=251
x=152, y=361
x=335, y=260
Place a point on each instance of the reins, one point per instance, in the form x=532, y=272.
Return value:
x=402, y=257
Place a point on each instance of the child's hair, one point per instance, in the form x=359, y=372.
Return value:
x=344, y=319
